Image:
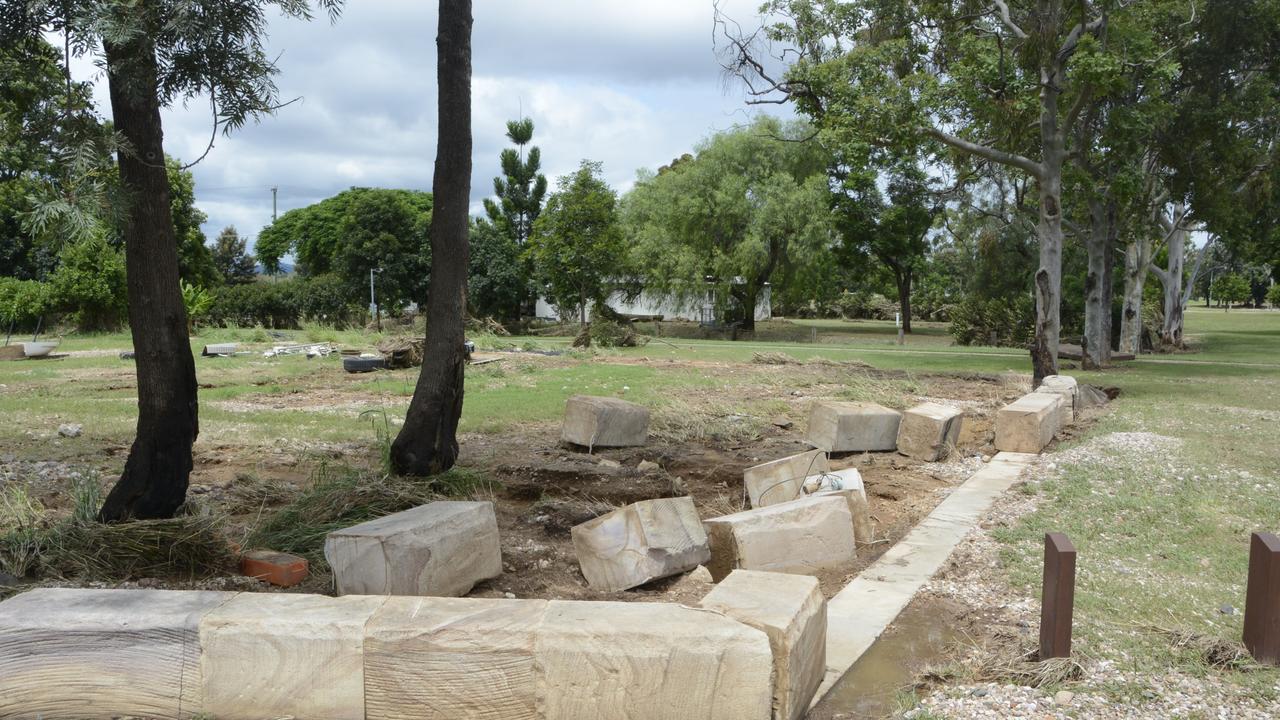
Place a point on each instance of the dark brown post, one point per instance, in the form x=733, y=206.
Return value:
x=1058, y=600
x=1262, y=600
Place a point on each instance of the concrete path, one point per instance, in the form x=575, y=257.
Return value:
x=859, y=613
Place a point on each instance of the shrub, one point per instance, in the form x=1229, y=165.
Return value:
x=975, y=320
x=266, y=303
x=90, y=286
x=864, y=305
x=22, y=301
x=1273, y=296
x=325, y=299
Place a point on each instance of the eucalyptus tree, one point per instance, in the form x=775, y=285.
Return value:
x=157, y=53
x=995, y=81
x=428, y=442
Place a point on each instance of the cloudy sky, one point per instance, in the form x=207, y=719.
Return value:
x=628, y=83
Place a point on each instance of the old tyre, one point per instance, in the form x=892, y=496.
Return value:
x=362, y=364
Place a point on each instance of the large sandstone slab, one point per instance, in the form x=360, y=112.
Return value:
x=853, y=427
x=1029, y=423
x=87, y=654
x=441, y=548
x=804, y=537
x=793, y=613
x=847, y=484
x=929, y=431
x=1068, y=389
x=782, y=480
x=641, y=661
x=604, y=422
x=286, y=655
x=446, y=658
x=640, y=542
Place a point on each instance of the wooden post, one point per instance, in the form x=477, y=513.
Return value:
x=1262, y=600
x=1058, y=599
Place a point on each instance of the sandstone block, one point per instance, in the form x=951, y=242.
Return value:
x=641, y=661
x=72, y=653
x=929, y=431
x=276, y=568
x=446, y=658
x=286, y=655
x=441, y=548
x=604, y=422
x=1029, y=423
x=793, y=613
x=781, y=480
x=847, y=484
x=853, y=427
x=640, y=542
x=803, y=537
x=1066, y=387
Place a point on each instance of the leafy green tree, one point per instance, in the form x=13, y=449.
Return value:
x=1230, y=289
x=156, y=53
x=497, y=283
x=198, y=302
x=1273, y=296
x=232, y=259
x=749, y=209
x=89, y=285
x=520, y=188
x=577, y=246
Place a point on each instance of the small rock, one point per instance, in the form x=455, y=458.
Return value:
x=980, y=692
x=1063, y=697
x=783, y=423
x=610, y=463
x=986, y=458
x=7, y=580
x=1227, y=610
x=70, y=430
x=701, y=574
x=648, y=466
x=509, y=596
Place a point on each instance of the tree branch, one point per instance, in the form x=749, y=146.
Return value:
x=1008, y=21
x=1027, y=165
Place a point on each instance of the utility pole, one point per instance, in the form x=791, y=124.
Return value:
x=273, y=202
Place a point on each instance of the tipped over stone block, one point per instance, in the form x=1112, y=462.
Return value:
x=782, y=480
x=634, y=661
x=87, y=654
x=286, y=655
x=853, y=427
x=604, y=422
x=441, y=548
x=854, y=491
x=1029, y=423
x=1068, y=389
x=929, y=431
x=640, y=542
x=452, y=658
x=803, y=537
x=793, y=613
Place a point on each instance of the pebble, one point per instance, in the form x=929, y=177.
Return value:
x=70, y=430
x=1063, y=697
x=648, y=466
x=509, y=596
x=1227, y=610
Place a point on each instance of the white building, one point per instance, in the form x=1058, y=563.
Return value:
x=670, y=308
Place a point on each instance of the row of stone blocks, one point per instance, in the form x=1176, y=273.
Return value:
x=1029, y=423
x=754, y=648
x=926, y=432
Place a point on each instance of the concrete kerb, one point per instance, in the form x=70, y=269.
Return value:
x=861, y=612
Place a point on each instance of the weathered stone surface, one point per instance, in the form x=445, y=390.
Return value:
x=854, y=491
x=640, y=542
x=853, y=427
x=804, y=537
x=286, y=655
x=636, y=661
x=1069, y=390
x=1029, y=423
x=445, y=658
x=441, y=548
x=71, y=653
x=781, y=480
x=929, y=431
x=604, y=422
x=793, y=613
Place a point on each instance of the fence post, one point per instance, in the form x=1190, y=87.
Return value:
x=1262, y=599
x=1058, y=598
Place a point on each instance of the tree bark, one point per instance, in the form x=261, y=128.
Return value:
x=158, y=469
x=1137, y=263
x=1097, y=298
x=747, y=299
x=903, y=278
x=1048, y=278
x=1171, y=277
x=428, y=442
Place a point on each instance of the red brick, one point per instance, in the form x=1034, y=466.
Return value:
x=274, y=567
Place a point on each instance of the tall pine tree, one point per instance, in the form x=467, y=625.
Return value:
x=520, y=188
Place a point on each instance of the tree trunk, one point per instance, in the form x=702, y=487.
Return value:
x=1137, y=261
x=158, y=469
x=1048, y=278
x=1171, y=331
x=428, y=442
x=903, y=279
x=1097, y=301
x=747, y=299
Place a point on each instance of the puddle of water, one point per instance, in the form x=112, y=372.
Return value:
x=871, y=687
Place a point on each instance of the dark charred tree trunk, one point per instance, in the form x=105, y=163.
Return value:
x=156, y=473
x=903, y=279
x=428, y=442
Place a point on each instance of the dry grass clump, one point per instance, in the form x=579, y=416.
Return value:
x=1212, y=651
x=677, y=420
x=1007, y=658
x=773, y=358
